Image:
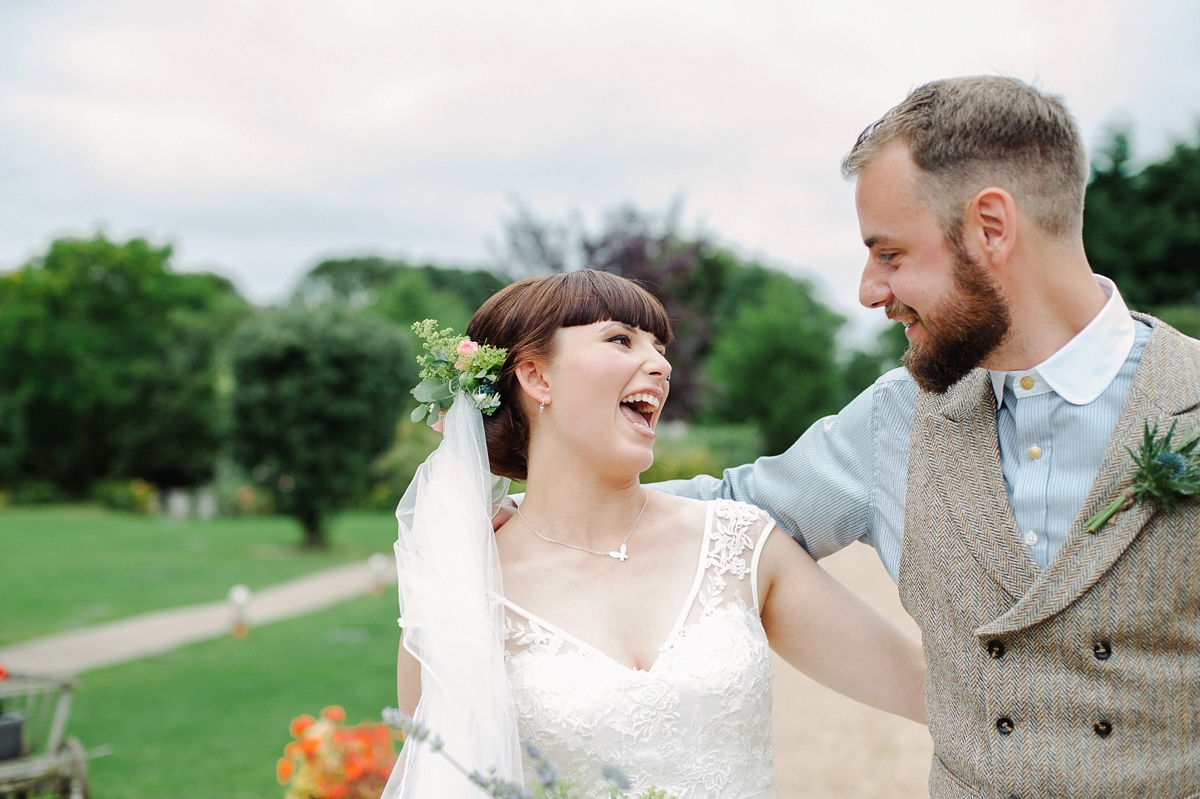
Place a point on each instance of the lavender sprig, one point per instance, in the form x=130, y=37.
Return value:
x=549, y=785
x=415, y=731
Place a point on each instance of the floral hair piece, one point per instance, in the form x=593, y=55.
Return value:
x=452, y=364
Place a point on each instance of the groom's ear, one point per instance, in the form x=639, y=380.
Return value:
x=991, y=225
x=531, y=375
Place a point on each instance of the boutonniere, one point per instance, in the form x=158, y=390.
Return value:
x=1164, y=476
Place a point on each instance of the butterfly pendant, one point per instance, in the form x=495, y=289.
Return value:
x=620, y=555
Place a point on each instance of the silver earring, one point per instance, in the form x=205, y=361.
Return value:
x=542, y=407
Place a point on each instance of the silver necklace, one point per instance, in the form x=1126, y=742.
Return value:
x=617, y=554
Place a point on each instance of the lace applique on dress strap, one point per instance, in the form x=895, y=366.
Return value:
x=734, y=538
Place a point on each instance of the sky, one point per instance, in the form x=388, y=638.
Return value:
x=259, y=137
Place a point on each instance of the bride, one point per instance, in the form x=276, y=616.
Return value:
x=607, y=624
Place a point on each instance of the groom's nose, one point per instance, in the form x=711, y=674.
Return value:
x=874, y=291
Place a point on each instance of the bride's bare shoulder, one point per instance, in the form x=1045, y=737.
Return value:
x=683, y=513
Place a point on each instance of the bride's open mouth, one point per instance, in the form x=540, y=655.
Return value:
x=639, y=409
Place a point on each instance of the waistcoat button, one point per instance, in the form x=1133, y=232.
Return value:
x=1102, y=728
x=1005, y=725
x=1102, y=650
x=996, y=648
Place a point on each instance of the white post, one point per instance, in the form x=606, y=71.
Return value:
x=379, y=563
x=239, y=599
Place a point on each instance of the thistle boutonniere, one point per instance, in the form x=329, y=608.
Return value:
x=1164, y=476
x=451, y=364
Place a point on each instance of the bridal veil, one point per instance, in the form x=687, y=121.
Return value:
x=449, y=584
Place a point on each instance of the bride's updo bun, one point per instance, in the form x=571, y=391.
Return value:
x=523, y=319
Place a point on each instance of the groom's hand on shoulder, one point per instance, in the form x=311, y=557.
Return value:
x=506, y=511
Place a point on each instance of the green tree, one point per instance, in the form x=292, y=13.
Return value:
x=397, y=289
x=863, y=367
x=410, y=297
x=1142, y=228
x=109, y=367
x=775, y=362
x=315, y=403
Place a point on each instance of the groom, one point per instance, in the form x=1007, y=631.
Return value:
x=1061, y=663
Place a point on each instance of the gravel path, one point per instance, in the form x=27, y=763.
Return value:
x=829, y=746
x=163, y=630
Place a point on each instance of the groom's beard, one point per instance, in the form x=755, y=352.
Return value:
x=961, y=333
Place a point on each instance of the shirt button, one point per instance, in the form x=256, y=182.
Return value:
x=996, y=649
x=1102, y=650
x=1005, y=725
x=1035, y=452
x=1027, y=382
x=1031, y=538
x=1103, y=728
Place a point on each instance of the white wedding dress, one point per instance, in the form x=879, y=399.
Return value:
x=698, y=723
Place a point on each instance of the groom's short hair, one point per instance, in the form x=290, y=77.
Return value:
x=965, y=134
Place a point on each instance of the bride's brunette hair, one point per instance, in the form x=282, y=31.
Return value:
x=523, y=319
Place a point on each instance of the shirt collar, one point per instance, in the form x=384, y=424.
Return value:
x=1085, y=366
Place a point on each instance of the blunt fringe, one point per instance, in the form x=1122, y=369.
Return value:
x=524, y=317
x=965, y=134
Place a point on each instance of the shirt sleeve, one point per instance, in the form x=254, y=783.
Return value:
x=820, y=491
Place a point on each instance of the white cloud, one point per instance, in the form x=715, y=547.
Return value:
x=261, y=135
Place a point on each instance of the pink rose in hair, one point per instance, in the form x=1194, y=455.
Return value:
x=466, y=348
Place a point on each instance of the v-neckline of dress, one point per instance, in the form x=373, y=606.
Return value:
x=675, y=629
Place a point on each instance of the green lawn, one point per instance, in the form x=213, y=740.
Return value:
x=71, y=565
x=210, y=720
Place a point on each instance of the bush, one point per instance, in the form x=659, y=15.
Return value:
x=394, y=469
x=683, y=451
x=136, y=496
x=315, y=403
x=1184, y=318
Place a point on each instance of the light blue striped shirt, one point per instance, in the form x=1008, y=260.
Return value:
x=844, y=479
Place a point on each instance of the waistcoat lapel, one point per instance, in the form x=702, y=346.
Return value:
x=1158, y=393
x=967, y=415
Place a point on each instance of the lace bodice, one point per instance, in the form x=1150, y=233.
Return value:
x=698, y=723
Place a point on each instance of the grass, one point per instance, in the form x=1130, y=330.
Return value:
x=209, y=721
x=68, y=566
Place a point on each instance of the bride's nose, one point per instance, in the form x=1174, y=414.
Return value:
x=659, y=366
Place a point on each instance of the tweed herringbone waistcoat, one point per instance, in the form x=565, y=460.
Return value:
x=1080, y=680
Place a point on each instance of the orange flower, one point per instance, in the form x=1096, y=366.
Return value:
x=334, y=713
x=300, y=724
x=310, y=745
x=292, y=750
x=3, y=673
x=284, y=769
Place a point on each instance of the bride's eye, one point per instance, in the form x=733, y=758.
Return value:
x=623, y=340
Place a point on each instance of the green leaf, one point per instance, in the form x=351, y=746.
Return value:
x=442, y=392
x=425, y=390
x=419, y=412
